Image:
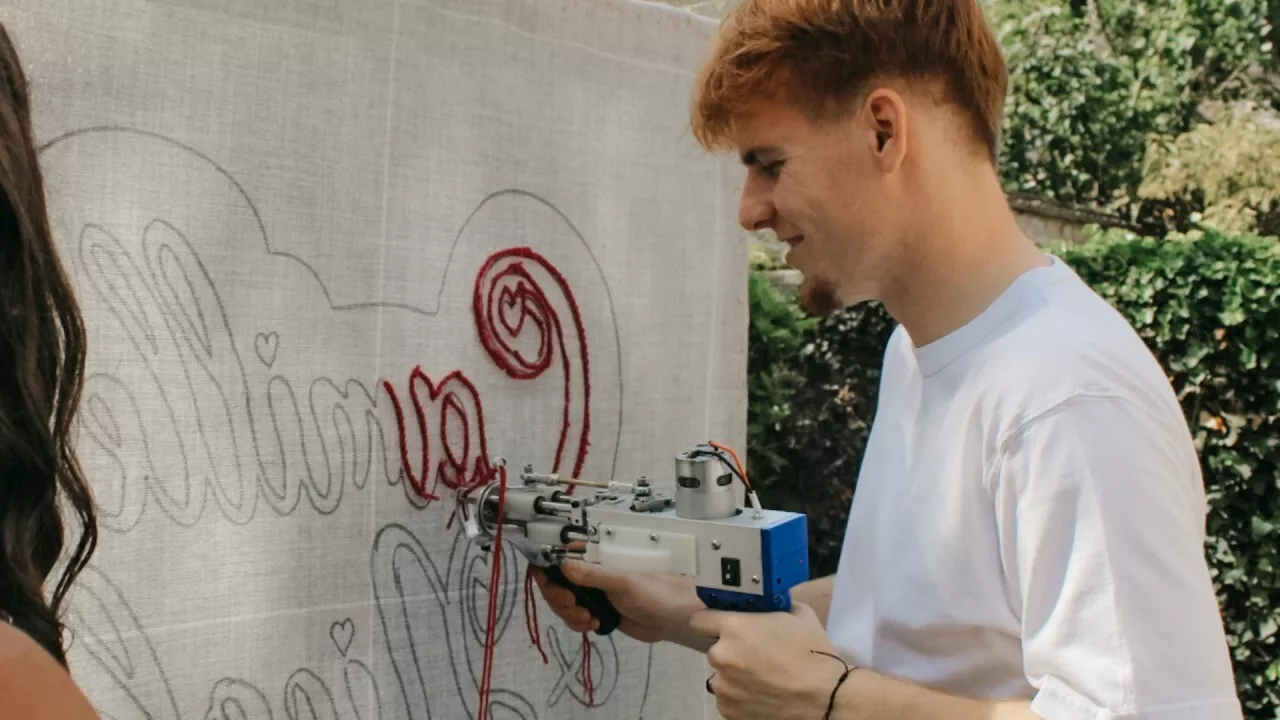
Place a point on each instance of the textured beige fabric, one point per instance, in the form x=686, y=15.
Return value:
x=269, y=209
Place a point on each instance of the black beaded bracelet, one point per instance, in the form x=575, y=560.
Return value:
x=848, y=670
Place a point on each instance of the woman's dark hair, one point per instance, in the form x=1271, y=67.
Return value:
x=42, y=357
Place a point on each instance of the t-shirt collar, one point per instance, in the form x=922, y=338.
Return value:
x=938, y=354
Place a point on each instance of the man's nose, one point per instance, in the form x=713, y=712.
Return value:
x=755, y=209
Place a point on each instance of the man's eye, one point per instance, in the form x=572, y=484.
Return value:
x=772, y=169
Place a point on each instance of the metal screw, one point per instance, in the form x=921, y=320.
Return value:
x=715, y=544
x=653, y=537
x=755, y=580
x=608, y=532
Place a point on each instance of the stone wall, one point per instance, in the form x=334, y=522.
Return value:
x=1049, y=230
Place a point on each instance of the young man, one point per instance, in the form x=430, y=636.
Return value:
x=1026, y=540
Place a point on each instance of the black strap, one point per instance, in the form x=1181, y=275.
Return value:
x=848, y=670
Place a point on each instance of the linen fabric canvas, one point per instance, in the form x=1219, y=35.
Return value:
x=336, y=257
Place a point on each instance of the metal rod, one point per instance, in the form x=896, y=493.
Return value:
x=554, y=479
x=585, y=483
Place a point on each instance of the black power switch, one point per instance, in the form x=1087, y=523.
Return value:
x=731, y=571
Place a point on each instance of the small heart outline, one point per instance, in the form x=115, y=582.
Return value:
x=513, y=301
x=342, y=633
x=267, y=345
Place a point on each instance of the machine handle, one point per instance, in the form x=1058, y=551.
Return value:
x=593, y=599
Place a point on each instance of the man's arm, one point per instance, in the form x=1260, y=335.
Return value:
x=868, y=695
x=1097, y=509
x=782, y=665
x=817, y=595
x=1098, y=515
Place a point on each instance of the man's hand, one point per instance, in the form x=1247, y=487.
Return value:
x=766, y=669
x=765, y=664
x=655, y=607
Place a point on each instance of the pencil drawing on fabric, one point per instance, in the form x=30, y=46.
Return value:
x=217, y=417
x=169, y=287
x=340, y=263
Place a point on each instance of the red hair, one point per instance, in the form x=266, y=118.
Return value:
x=821, y=54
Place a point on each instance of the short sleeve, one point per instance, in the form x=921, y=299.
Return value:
x=1100, y=513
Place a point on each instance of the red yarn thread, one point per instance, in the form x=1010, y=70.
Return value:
x=516, y=366
x=588, y=683
x=492, y=619
x=452, y=470
x=531, y=613
x=419, y=485
x=508, y=358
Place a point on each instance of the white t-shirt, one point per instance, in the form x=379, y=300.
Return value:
x=1029, y=519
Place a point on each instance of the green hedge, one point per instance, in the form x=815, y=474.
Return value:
x=1209, y=308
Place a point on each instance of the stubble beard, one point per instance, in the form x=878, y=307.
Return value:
x=819, y=297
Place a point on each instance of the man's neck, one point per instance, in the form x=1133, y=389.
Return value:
x=964, y=253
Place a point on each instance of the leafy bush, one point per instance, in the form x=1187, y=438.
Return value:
x=1231, y=165
x=1209, y=308
x=774, y=337
x=811, y=396
x=1092, y=80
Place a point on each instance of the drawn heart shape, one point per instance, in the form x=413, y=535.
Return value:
x=342, y=633
x=267, y=344
x=509, y=300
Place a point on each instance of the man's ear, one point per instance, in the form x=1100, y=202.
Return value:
x=886, y=127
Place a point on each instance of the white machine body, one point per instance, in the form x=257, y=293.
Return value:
x=740, y=558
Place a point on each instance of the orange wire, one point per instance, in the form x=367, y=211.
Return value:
x=741, y=470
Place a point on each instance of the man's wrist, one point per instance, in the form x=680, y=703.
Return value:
x=830, y=696
x=870, y=695
x=844, y=700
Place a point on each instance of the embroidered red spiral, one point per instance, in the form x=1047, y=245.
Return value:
x=505, y=282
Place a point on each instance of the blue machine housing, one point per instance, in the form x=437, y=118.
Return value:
x=784, y=552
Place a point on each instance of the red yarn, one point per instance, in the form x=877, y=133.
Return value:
x=419, y=485
x=533, y=304
x=588, y=683
x=492, y=619
x=451, y=471
x=531, y=613
x=503, y=285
